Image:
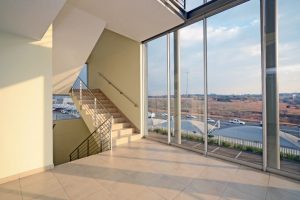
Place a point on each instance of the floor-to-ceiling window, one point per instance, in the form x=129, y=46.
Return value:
x=192, y=85
x=239, y=62
x=157, y=87
x=289, y=84
x=234, y=83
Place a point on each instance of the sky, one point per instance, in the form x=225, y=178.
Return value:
x=234, y=63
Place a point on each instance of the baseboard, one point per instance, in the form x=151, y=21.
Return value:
x=26, y=173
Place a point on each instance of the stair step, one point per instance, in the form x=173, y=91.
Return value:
x=125, y=139
x=106, y=106
x=91, y=102
x=118, y=126
x=90, y=111
x=122, y=132
x=119, y=120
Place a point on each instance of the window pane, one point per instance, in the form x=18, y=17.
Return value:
x=64, y=108
x=234, y=83
x=192, y=85
x=157, y=88
x=289, y=87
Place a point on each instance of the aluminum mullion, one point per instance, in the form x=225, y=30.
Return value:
x=168, y=88
x=263, y=81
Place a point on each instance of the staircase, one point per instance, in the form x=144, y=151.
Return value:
x=109, y=127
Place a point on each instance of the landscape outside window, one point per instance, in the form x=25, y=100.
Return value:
x=289, y=82
x=63, y=106
x=192, y=83
x=235, y=102
x=234, y=83
x=157, y=86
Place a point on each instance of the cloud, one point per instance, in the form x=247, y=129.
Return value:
x=252, y=50
x=193, y=34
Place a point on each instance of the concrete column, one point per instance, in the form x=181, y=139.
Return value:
x=177, y=93
x=272, y=98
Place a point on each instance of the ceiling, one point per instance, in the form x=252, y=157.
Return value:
x=136, y=19
x=28, y=18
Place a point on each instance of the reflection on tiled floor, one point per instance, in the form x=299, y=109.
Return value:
x=149, y=170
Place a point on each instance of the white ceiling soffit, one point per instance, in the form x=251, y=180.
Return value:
x=75, y=33
x=28, y=18
x=136, y=19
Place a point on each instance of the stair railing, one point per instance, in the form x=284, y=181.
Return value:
x=97, y=142
x=101, y=139
x=116, y=88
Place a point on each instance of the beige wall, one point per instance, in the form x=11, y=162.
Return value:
x=67, y=135
x=118, y=59
x=26, y=101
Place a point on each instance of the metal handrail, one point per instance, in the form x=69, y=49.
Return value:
x=114, y=86
x=95, y=131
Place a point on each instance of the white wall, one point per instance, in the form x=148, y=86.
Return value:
x=26, y=141
x=118, y=59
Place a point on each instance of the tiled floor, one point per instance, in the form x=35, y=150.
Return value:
x=149, y=170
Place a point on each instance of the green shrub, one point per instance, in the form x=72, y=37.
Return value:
x=225, y=144
x=161, y=131
x=239, y=147
x=288, y=156
x=211, y=141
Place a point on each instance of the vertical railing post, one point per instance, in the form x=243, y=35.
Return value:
x=111, y=120
x=88, y=147
x=80, y=92
x=95, y=112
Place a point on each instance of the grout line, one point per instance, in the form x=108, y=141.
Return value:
x=20, y=187
x=268, y=186
x=61, y=186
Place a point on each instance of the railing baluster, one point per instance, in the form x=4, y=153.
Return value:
x=88, y=147
x=80, y=93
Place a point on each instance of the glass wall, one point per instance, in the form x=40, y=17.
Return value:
x=192, y=85
x=235, y=93
x=289, y=84
x=157, y=88
x=234, y=83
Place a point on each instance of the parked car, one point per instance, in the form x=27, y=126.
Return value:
x=64, y=111
x=237, y=121
x=151, y=115
x=210, y=120
x=191, y=116
x=164, y=114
